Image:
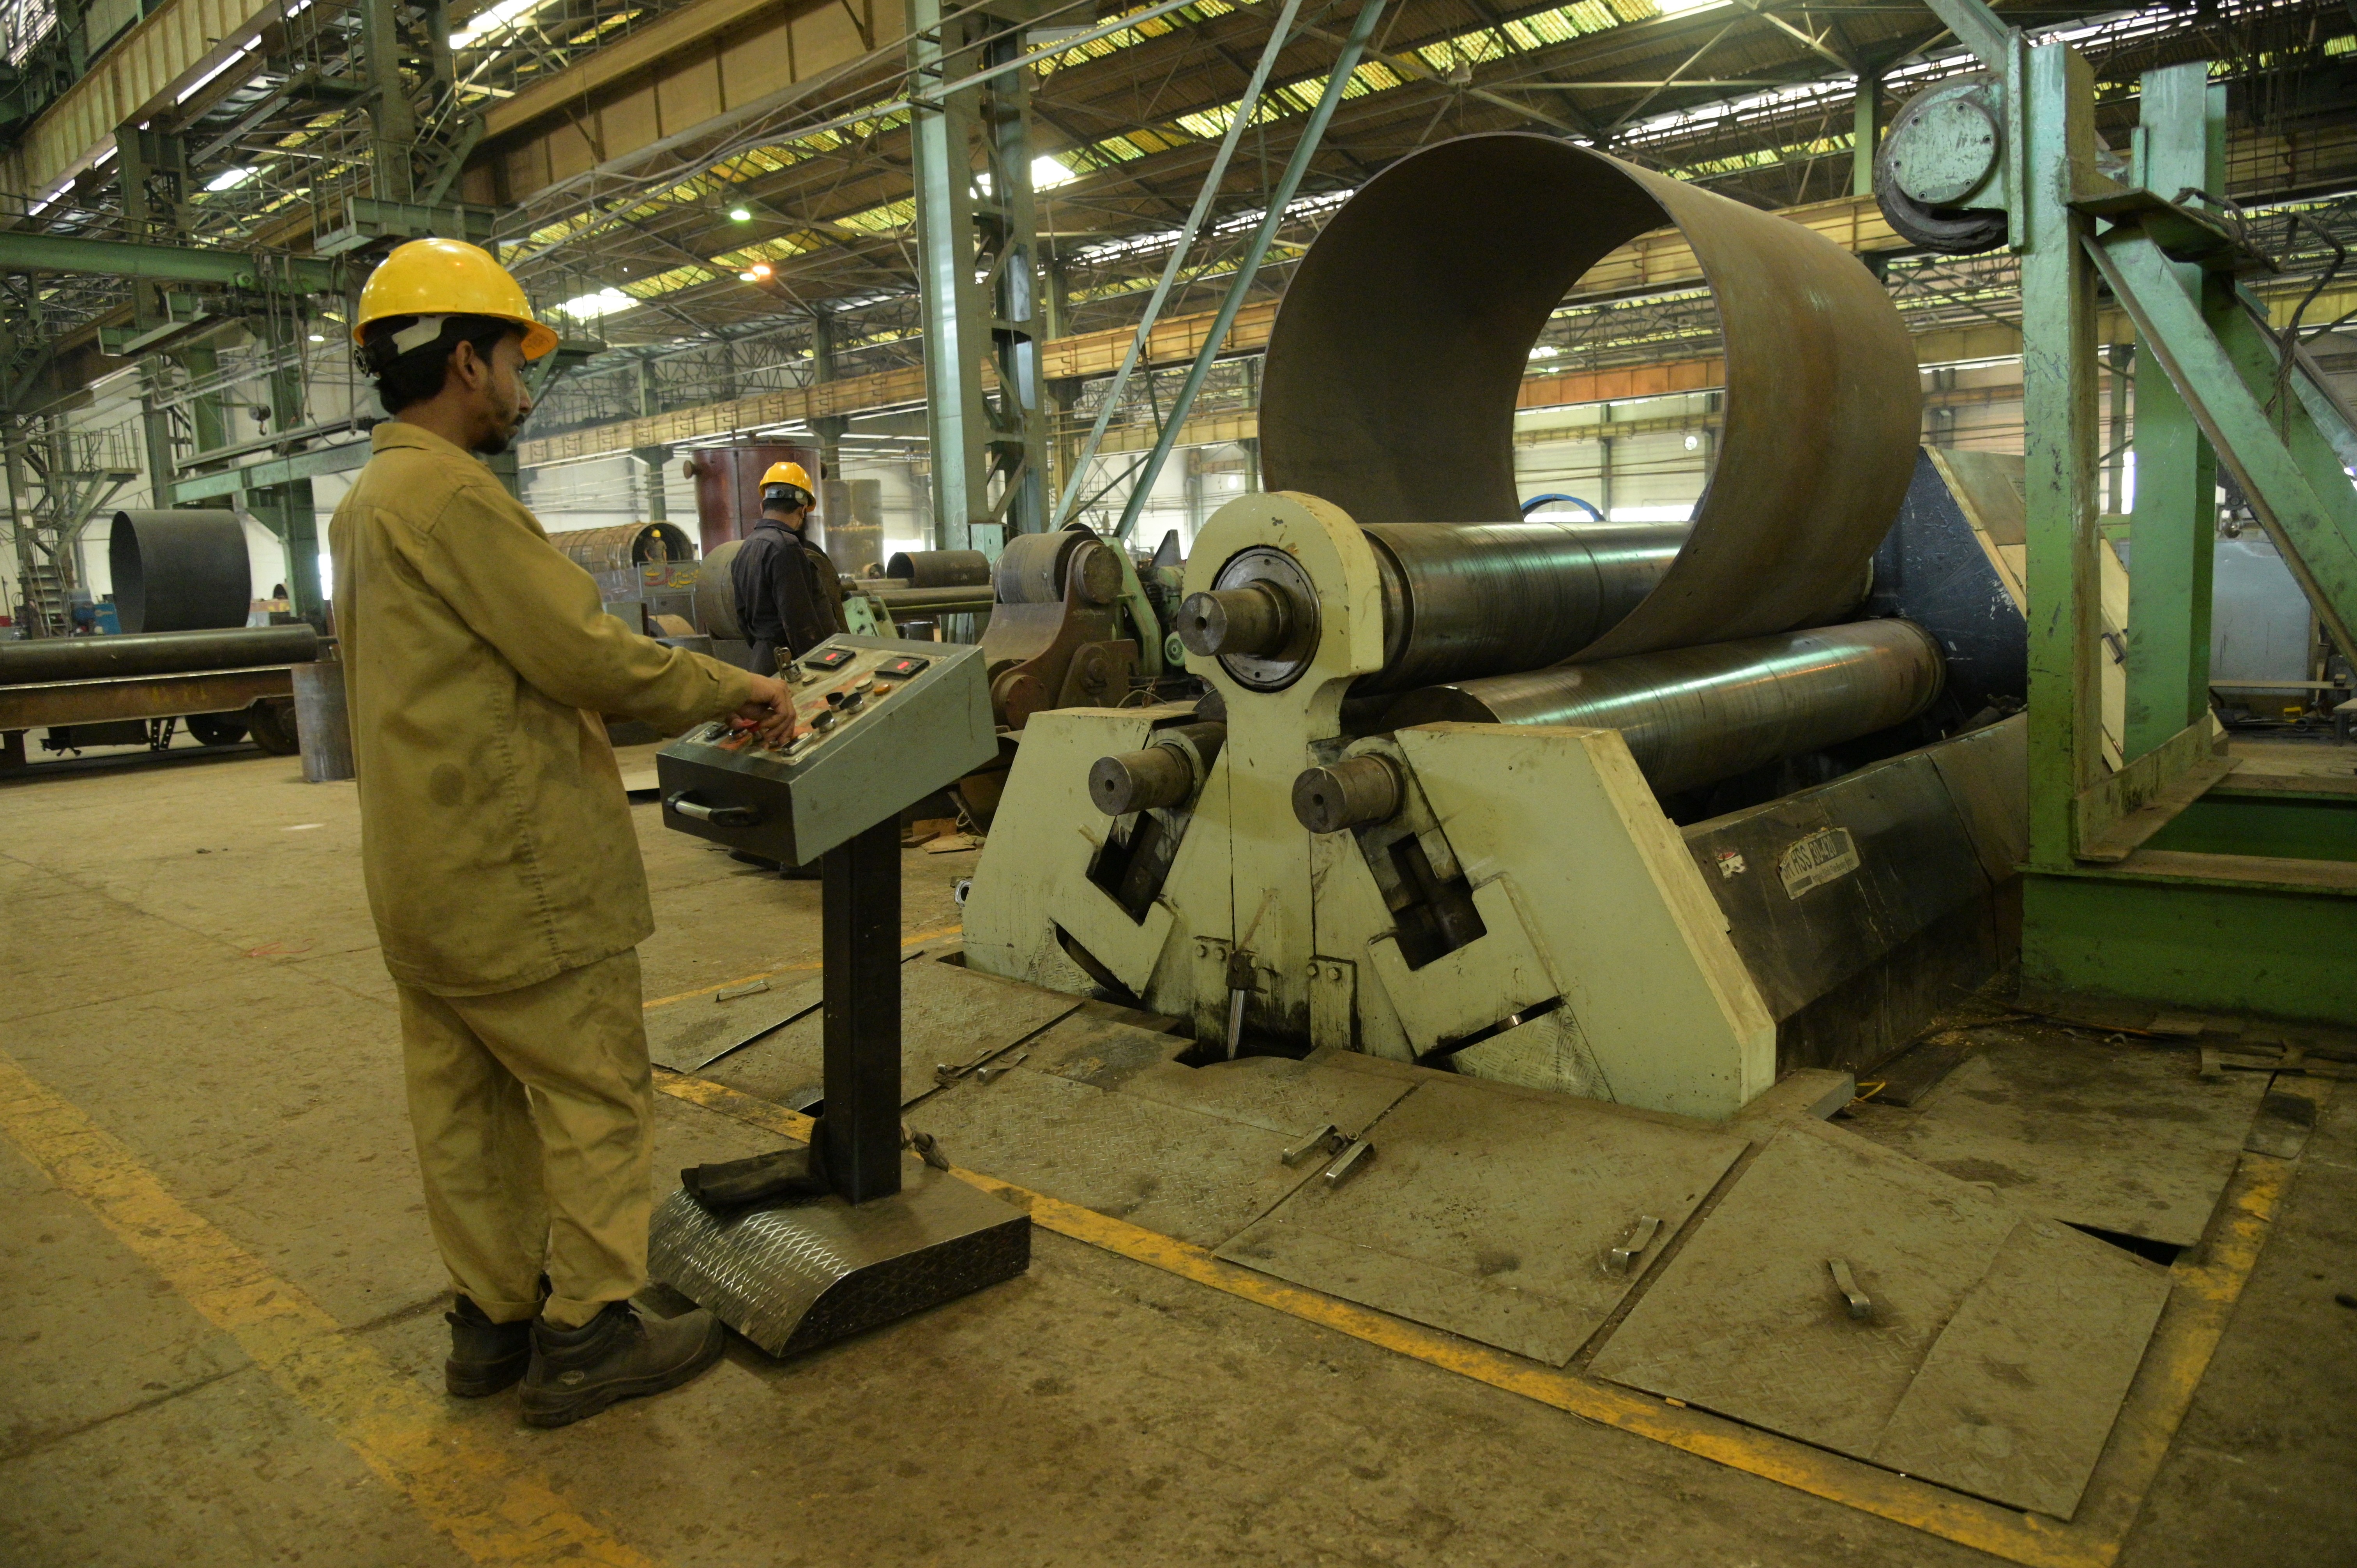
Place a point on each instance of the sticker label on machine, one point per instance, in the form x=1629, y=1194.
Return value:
x=1824, y=857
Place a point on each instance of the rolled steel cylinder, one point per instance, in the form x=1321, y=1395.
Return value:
x=1452, y=261
x=716, y=593
x=624, y=545
x=1695, y=715
x=323, y=720
x=155, y=653
x=939, y=568
x=1461, y=600
x=179, y=571
x=1163, y=774
x=1349, y=794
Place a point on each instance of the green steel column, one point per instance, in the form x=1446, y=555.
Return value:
x=2058, y=337
x=2182, y=145
x=290, y=510
x=1865, y=132
x=977, y=245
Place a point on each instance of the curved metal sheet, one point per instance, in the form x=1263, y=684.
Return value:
x=624, y=545
x=179, y=571
x=1403, y=341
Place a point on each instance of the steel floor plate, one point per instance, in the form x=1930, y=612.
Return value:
x=688, y=1035
x=1995, y=1354
x=1186, y=1170
x=1490, y=1212
x=948, y=1014
x=2039, y=1120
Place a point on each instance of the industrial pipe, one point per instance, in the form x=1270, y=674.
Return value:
x=939, y=568
x=962, y=600
x=624, y=545
x=155, y=653
x=1695, y=715
x=1163, y=774
x=179, y=571
x=1459, y=600
x=1349, y=794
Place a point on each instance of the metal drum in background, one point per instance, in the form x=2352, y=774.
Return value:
x=1401, y=345
x=624, y=545
x=716, y=593
x=179, y=571
x=154, y=653
x=323, y=720
x=939, y=568
x=1695, y=715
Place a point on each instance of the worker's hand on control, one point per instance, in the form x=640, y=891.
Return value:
x=771, y=709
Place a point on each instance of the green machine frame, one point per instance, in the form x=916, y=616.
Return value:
x=2172, y=881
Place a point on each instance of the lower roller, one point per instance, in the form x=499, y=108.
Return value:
x=1165, y=774
x=1695, y=715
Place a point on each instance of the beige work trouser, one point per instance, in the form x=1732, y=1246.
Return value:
x=533, y=1112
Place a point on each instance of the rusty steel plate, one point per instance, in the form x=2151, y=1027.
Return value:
x=1403, y=341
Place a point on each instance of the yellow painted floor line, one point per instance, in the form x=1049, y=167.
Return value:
x=2188, y=1333
x=908, y=941
x=492, y=1508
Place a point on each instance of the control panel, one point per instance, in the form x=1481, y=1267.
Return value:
x=878, y=724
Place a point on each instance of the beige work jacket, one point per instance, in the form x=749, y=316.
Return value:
x=495, y=836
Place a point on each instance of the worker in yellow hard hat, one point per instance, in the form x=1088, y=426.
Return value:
x=789, y=595
x=497, y=844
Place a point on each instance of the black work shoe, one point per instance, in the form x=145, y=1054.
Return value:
x=485, y=1357
x=620, y=1354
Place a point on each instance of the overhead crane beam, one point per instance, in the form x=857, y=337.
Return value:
x=25, y=251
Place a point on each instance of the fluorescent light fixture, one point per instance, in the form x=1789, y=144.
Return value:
x=319, y=337
x=747, y=277
x=205, y=81
x=499, y=18
x=229, y=179
x=1544, y=352
x=740, y=215
x=1046, y=173
x=590, y=307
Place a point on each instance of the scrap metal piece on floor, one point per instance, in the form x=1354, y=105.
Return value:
x=691, y=1033
x=795, y=1275
x=948, y=1014
x=1493, y=1213
x=1995, y=1354
x=2037, y=1115
x=1910, y=1078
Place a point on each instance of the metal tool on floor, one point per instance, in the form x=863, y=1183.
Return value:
x=896, y=1234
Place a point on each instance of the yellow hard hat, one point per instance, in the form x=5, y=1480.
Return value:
x=449, y=277
x=792, y=474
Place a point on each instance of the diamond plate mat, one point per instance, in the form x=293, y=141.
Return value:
x=1491, y=1213
x=792, y=1276
x=948, y=1014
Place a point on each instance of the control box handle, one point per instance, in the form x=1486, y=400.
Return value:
x=718, y=816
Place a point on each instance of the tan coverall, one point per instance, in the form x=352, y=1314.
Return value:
x=502, y=868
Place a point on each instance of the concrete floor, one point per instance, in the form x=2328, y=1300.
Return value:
x=186, y=958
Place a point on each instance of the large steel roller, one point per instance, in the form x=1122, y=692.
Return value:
x=1695, y=715
x=1459, y=600
x=1403, y=341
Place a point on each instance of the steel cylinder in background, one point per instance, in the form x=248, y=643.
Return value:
x=1695, y=715
x=939, y=568
x=716, y=593
x=155, y=653
x=624, y=545
x=179, y=571
x=323, y=720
